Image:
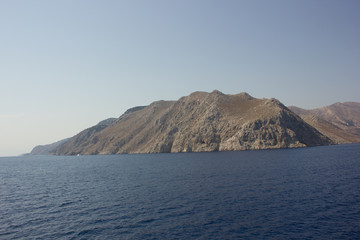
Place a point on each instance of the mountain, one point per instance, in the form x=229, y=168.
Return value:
x=199, y=122
x=50, y=148
x=339, y=121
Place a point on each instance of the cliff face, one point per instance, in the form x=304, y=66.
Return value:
x=199, y=122
x=339, y=121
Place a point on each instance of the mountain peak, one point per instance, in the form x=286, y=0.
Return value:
x=217, y=92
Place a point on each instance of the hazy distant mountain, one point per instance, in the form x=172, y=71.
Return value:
x=47, y=149
x=198, y=122
x=50, y=148
x=339, y=121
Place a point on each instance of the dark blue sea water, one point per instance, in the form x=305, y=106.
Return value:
x=308, y=193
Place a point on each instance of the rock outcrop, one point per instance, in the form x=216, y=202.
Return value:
x=198, y=122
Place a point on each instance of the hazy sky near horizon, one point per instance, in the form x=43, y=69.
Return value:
x=66, y=65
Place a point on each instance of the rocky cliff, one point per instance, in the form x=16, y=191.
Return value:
x=198, y=122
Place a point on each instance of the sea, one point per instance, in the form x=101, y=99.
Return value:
x=304, y=193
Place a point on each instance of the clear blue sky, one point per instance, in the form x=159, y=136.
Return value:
x=66, y=65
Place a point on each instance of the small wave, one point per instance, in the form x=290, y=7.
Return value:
x=93, y=231
x=147, y=220
x=66, y=204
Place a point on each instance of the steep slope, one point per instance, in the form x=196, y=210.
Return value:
x=339, y=121
x=199, y=122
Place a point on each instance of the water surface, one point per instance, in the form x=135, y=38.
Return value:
x=269, y=194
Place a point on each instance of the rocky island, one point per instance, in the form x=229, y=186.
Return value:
x=196, y=123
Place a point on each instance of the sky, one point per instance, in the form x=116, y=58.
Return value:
x=65, y=65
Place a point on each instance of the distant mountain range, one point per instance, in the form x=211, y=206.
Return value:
x=214, y=122
x=339, y=121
